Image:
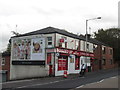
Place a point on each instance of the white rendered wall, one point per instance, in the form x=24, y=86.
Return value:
x=29, y=71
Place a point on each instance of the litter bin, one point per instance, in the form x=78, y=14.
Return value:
x=89, y=68
x=3, y=76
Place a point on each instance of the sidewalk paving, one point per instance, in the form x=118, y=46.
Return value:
x=106, y=83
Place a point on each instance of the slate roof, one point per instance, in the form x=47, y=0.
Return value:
x=49, y=30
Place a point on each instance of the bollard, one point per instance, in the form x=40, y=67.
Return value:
x=65, y=74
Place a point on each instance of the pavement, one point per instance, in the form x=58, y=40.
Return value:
x=111, y=82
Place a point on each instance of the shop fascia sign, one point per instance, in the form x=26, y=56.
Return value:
x=67, y=51
x=62, y=40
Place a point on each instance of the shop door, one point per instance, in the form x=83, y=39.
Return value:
x=71, y=63
x=49, y=57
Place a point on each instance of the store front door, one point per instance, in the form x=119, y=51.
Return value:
x=71, y=64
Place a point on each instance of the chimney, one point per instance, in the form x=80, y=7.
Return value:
x=88, y=36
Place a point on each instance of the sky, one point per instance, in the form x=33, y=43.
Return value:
x=31, y=15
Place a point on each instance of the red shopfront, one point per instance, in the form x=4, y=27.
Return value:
x=62, y=62
x=62, y=58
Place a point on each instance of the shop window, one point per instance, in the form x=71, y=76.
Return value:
x=81, y=62
x=49, y=39
x=3, y=61
x=104, y=62
x=62, y=63
x=71, y=60
x=77, y=63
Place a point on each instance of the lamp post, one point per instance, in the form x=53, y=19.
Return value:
x=87, y=32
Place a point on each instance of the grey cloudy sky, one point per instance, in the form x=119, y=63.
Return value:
x=31, y=15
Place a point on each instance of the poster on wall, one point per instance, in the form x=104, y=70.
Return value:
x=62, y=64
x=21, y=49
x=28, y=49
x=38, y=49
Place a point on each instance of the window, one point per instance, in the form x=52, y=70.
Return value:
x=62, y=63
x=87, y=46
x=49, y=39
x=96, y=61
x=111, y=61
x=77, y=63
x=60, y=44
x=104, y=61
x=110, y=51
x=3, y=61
x=63, y=42
x=77, y=45
x=104, y=50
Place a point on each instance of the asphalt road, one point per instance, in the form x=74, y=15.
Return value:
x=72, y=82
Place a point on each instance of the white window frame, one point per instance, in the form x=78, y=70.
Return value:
x=3, y=62
x=49, y=41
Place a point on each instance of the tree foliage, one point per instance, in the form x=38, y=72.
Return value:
x=111, y=37
x=8, y=50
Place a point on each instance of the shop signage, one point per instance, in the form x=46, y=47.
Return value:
x=57, y=54
x=69, y=51
x=62, y=40
x=28, y=62
x=79, y=53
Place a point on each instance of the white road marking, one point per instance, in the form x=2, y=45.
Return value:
x=40, y=84
x=80, y=86
x=17, y=81
x=101, y=81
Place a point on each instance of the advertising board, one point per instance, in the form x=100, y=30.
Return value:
x=28, y=49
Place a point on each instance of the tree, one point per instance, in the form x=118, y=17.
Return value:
x=8, y=50
x=110, y=37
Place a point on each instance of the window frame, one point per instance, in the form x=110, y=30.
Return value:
x=3, y=60
x=49, y=41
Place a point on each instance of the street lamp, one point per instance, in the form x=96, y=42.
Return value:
x=87, y=32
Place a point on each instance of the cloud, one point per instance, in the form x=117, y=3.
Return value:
x=32, y=15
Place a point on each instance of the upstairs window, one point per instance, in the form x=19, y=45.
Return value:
x=103, y=50
x=77, y=45
x=3, y=61
x=110, y=51
x=87, y=46
x=49, y=39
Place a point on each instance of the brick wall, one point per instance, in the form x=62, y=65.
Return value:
x=97, y=58
x=109, y=63
x=7, y=64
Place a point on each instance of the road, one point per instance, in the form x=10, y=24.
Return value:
x=72, y=82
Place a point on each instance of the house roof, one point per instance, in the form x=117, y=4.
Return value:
x=49, y=30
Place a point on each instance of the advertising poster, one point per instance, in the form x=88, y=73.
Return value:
x=38, y=49
x=21, y=49
x=28, y=49
x=62, y=64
